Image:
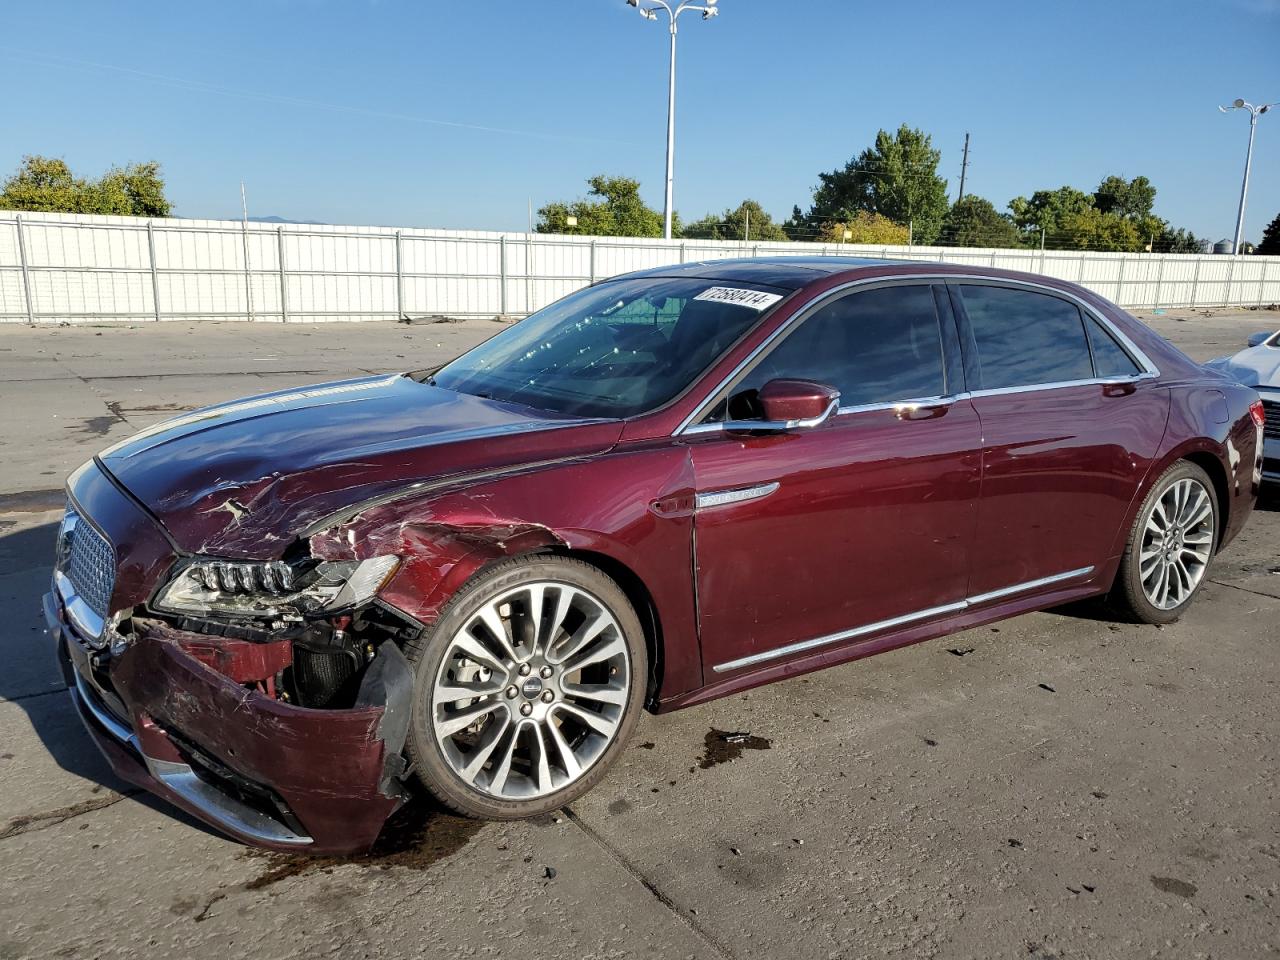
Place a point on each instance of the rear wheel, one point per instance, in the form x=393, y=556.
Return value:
x=1169, y=547
x=526, y=688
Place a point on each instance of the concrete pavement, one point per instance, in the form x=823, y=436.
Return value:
x=1055, y=786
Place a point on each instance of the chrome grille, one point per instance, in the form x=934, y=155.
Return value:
x=1271, y=430
x=87, y=560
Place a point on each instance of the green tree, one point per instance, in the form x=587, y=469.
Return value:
x=748, y=222
x=616, y=211
x=974, y=222
x=47, y=184
x=897, y=178
x=1047, y=209
x=1129, y=199
x=1270, y=244
x=863, y=227
x=1178, y=241
x=1091, y=229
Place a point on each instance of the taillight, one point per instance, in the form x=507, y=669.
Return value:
x=1258, y=412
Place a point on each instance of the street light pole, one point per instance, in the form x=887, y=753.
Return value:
x=708, y=11
x=1254, y=113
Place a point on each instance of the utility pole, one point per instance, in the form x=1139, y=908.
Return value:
x=964, y=167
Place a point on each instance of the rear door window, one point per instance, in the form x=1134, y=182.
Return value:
x=1025, y=338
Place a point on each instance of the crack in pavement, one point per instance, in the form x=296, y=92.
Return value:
x=697, y=928
x=51, y=818
x=89, y=381
x=1233, y=586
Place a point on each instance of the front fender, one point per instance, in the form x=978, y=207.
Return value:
x=607, y=507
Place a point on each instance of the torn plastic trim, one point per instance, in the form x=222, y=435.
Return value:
x=388, y=683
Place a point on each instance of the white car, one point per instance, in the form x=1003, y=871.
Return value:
x=1258, y=366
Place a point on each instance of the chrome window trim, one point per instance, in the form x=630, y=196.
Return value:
x=1060, y=384
x=1149, y=370
x=957, y=607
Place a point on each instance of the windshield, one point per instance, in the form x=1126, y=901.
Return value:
x=615, y=350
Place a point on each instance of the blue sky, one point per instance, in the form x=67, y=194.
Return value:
x=456, y=114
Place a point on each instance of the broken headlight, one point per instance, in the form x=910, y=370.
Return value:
x=273, y=589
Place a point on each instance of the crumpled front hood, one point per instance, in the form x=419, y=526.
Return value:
x=1254, y=367
x=243, y=479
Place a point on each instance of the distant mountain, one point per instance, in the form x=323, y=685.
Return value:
x=275, y=219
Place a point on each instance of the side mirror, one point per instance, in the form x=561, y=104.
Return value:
x=791, y=405
x=1257, y=339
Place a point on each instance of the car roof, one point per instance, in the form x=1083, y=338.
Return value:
x=789, y=273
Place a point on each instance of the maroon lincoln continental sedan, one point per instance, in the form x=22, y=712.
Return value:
x=285, y=613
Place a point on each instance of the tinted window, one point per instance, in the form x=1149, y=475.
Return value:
x=875, y=346
x=1026, y=338
x=1109, y=358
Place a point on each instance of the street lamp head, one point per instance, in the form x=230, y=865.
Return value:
x=1265, y=107
x=710, y=12
x=1238, y=103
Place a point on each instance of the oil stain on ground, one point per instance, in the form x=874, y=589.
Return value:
x=414, y=837
x=1179, y=888
x=721, y=746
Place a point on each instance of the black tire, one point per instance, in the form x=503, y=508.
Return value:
x=1129, y=597
x=431, y=766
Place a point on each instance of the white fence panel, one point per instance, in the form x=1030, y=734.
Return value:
x=66, y=267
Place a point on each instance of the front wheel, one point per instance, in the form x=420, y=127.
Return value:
x=1169, y=547
x=526, y=688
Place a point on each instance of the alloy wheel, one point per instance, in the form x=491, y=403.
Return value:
x=531, y=690
x=1177, y=541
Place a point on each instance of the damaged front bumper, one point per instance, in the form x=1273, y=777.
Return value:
x=172, y=714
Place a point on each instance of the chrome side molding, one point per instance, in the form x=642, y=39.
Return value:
x=1024, y=587
x=722, y=498
x=881, y=625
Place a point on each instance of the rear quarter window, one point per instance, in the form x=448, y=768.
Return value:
x=1109, y=358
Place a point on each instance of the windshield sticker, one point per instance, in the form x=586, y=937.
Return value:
x=741, y=298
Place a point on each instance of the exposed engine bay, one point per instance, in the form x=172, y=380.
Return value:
x=302, y=632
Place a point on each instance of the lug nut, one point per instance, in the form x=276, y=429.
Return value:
x=526, y=709
x=511, y=693
x=545, y=672
x=547, y=696
x=525, y=669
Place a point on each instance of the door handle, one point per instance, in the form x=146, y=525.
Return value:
x=927, y=410
x=1118, y=388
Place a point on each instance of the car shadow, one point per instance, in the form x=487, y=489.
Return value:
x=34, y=683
